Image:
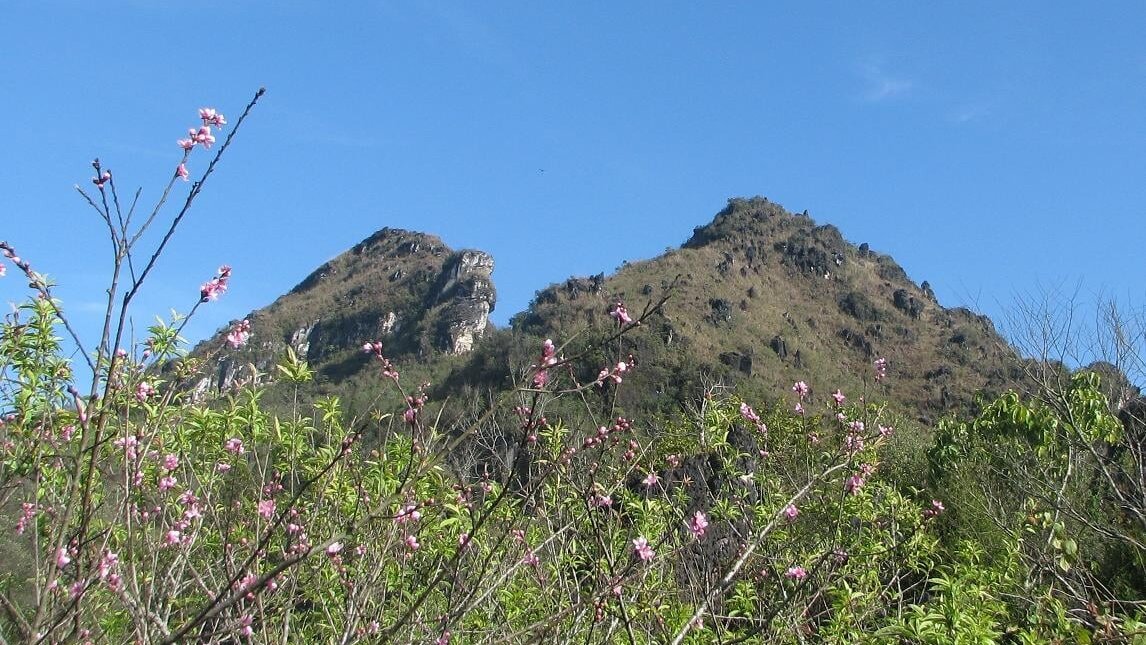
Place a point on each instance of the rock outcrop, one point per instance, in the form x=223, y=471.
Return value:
x=468, y=296
x=406, y=289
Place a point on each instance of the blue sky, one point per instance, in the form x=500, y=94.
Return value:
x=991, y=148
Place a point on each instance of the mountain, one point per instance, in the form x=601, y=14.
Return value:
x=762, y=297
x=757, y=299
x=409, y=289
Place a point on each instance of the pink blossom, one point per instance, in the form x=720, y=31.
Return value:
x=796, y=573
x=192, y=512
x=790, y=511
x=100, y=180
x=651, y=479
x=698, y=524
x=245, y=629
x=548, y=359
x=170, y=462
x=267, y=508
x=212, y=289
x=28, y=511
x=107, y=563
x=839, y=397
x=143, y=391
x=530, y=558
x=935, y=509
x=211, y=117
x=412, y=542
x=409, y=513
x=167, y=483
x=748, y=413
x=187, y=144
x=216, y=286
x=234, y=445
x=799, y=409
x=239, y=334
x=181, y=172
x=3, y=270
x=203, y=136
x=880, y=368
x=620, y=314
x=222, y=467
x=801, y=389
x=334, y=549
x=642, y=549
x=172, y=538
x=885, y=431
x=62, y=558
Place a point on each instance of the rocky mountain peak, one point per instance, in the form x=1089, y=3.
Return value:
x=405, y=288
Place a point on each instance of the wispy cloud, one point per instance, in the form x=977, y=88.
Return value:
x=882, y=85
x=969, y=112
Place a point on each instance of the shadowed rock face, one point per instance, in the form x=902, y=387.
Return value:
x=404, y=288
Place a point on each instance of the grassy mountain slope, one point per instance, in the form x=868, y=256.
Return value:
x=763, y=298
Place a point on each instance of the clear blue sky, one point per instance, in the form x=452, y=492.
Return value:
x=989, y=147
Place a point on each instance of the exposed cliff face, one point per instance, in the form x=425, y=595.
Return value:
x=466, y=297
x=407, y=289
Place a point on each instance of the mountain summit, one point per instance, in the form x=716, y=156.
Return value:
x=761, y=297
x=406, y=288
x=758, y=298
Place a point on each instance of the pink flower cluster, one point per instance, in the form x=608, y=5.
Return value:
x=697, y=524
x=234, y=445
x=796, y=573
x=856, y=481
x=615, y=373
x=790, y=511
x=201, y=136
x=216, y=286
x=414, y=405
x=239, y=334
x=27, y=512
x=880, y=365
x=750, y=416
x=642, y=549
x=374, y=348
x=618, y=312
x=801, y=389
x=408, y=513
x=144, y=391
x=548, y=360
x=934, y=510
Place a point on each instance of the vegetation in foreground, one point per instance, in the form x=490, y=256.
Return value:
x=138, y=511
